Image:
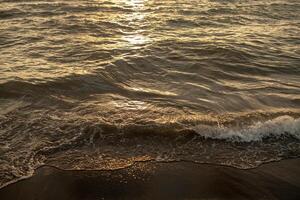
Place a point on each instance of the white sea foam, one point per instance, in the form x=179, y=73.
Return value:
x=280, y=126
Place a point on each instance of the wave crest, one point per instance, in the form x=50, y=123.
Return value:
x=278, y=127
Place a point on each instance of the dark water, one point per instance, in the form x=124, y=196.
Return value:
x=103, y=84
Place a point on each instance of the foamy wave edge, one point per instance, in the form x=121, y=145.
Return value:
x=277, y=127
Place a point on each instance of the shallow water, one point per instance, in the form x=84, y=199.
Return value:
x=102, y=84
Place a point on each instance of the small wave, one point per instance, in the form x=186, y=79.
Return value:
x=66, y=140
x=278, y=127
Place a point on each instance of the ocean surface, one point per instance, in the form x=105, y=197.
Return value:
x=102, y=84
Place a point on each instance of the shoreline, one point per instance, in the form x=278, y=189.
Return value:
x=152, y=161
x=161, y=180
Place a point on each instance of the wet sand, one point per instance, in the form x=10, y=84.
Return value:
x=177, y=180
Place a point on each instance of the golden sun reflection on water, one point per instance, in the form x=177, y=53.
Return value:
x=136, y=39
x=135, y=3
x=136, y=18
x=130, y=105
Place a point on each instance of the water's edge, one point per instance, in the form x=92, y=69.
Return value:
x=138, y=162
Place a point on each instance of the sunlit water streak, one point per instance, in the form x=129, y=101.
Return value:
x=102, y=84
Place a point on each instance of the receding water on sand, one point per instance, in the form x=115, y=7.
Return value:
x=176, y=180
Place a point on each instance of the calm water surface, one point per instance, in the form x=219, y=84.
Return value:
x=102, y=84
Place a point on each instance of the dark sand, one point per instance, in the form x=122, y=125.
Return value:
x=178, y=180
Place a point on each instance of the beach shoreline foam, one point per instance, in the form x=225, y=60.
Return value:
x=155, y=180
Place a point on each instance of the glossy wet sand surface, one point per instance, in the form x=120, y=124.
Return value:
x=177, y=180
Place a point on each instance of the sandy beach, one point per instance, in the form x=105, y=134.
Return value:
x=177, y=180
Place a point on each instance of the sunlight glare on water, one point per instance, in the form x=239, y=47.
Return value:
x=135, y=18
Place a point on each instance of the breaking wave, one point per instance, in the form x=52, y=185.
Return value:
x=278, y=127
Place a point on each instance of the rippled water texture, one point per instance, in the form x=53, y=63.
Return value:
x=102, y=84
